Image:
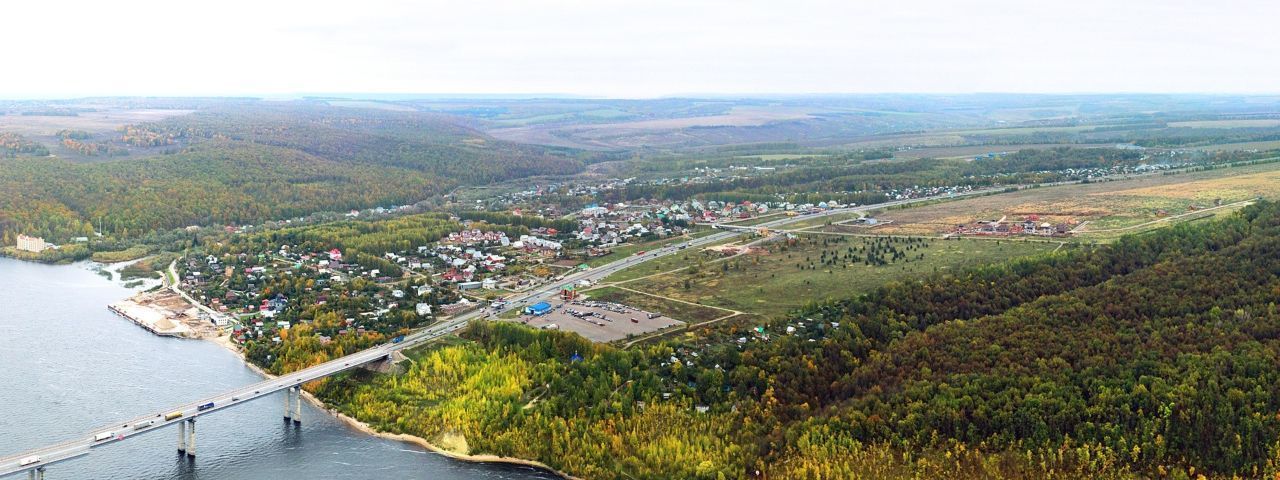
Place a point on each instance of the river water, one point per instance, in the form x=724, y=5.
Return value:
x=69, y=366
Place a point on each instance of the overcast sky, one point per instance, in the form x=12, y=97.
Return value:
x=639, y=48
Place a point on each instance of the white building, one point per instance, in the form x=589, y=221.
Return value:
x=31, y=244
x=539, y=243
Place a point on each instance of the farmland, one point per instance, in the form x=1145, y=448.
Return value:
x=1255, y=123
x=1104, y=205
x=779, y=277
x=102, y=121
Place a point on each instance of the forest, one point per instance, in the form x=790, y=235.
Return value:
x=218, y=183
x=1154, y=356
x=244, y=164
x=13, y=145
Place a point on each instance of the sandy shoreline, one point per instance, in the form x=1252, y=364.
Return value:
x=225, y=342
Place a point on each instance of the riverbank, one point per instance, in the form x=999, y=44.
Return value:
x=62, y=256
x=421, y=442
x=225, y=342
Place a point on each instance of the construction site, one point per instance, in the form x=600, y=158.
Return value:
x=165, y=313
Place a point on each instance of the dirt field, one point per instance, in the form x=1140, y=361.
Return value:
x=601, y=321
x=1106, y=205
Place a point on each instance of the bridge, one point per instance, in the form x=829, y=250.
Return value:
x=34, y=462
x=184, y=416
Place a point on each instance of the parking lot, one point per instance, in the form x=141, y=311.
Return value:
x=600, y=321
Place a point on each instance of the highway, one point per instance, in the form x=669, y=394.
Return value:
x=123, y=429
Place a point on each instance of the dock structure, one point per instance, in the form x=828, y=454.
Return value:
x=149, y=319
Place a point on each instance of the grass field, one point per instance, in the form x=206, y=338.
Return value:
x=631, y=249
x=1264, y=145
x=787, y=275
x=672, y=262
x=1105, y=205
x=820, y=221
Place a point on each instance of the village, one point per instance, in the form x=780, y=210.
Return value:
x=260, y=292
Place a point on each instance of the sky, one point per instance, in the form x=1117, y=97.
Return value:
x=637, y=49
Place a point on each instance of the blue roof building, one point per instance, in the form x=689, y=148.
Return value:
x=540, y=308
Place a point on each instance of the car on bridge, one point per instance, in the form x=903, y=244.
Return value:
x=204, y=407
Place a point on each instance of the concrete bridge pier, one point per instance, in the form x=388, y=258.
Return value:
x=182, y=438
x=288, y=408
x=36, y=474
x=297, y=404
x=191, y=439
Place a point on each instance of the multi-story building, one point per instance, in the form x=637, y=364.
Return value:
x=31, y=244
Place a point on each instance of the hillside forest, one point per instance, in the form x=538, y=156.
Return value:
x=1154, y=356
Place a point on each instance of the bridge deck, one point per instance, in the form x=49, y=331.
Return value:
x=139, y=425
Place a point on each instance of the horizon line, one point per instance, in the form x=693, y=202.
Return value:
x=400, y=96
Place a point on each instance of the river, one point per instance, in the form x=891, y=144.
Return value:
x=70, y=365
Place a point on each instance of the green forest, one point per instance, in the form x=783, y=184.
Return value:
x=1154, y=356
x=241, y=165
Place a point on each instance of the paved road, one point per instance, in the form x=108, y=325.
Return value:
x=121, y=430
